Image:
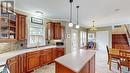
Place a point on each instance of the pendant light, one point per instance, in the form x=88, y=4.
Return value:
x=93, y=28
x=77, y=25
x=70, y=23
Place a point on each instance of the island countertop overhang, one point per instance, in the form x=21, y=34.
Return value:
x=76, y=60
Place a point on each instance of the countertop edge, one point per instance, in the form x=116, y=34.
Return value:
x=77, y=71
x=23, y=51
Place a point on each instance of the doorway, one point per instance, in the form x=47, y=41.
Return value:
x=102, y=39
x=74, y=40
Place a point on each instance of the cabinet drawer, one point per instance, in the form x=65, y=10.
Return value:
x=33, y=53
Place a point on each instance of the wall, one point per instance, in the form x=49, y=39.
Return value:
x=68, y=40
x=109, y=29
x=120, y=30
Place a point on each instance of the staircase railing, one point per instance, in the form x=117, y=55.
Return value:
x=127, y=33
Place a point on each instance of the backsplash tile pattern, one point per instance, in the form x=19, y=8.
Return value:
x=6, y=47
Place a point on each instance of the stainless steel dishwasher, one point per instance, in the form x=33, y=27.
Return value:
x=4, y=69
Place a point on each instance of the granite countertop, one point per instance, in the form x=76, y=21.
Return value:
x=76, y=60
x=7, y=55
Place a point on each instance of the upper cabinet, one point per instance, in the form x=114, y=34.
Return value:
x=8, y=27
x=54, y=31
x=57, y=31
x=12, y=27
x=21, y=27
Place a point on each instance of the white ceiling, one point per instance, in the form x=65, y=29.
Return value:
x=102, y=11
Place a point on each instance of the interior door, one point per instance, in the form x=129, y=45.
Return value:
x=74, y=40
x=102, y=39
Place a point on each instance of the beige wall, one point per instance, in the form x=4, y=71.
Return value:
x=120, y=30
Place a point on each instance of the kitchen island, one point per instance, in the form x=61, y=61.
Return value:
x=81, y=61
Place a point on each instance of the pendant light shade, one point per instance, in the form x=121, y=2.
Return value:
x=70, y=22
x=77, y=25
x=93, y=28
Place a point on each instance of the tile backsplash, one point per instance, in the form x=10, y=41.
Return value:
x=6, y=47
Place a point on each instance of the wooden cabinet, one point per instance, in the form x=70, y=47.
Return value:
x=8, y=28
x=57, y=31
x=49, y=55
x=54, y=31
x=54, y=54
x=43, y=57
x=92, y=65
x=50, y=31
x=89, y=67
x=60, y=52
x=33, y=60
x=13, y=31
x=21, y=26
x=22, y=63
x=30, y=61
x=13, y=65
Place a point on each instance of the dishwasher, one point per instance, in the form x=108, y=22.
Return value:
x=4, y=69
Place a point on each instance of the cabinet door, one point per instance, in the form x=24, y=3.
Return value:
x=21, y=27
x=50, y=31
x=60, y=52
x=57, y=31
x=49, y=56
x=54, y=53
x=33, y=60
x=22, y=63
x=43, y=58
x=13, y=65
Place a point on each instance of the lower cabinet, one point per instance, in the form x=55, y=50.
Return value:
x=60, y=52
x=49, y=56
x=13, y=65
x=43, y=57
x=28, y=62
x=54, y=54
x=33, y=60
x=22, y=63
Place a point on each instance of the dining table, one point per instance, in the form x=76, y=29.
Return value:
x=114, y=53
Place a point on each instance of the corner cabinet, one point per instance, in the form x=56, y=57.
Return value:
x=12, y=27
x=21, y=27
x=13, y=65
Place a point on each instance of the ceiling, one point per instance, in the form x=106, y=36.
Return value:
x=103, y=12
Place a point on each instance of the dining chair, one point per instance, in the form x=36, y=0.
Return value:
x=113, y=60
x=124, y=59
